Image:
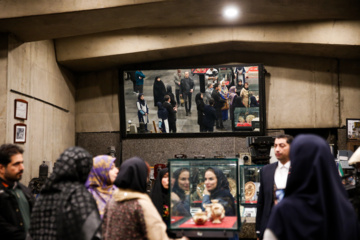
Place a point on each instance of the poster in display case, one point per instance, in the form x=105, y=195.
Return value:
x=249, y=188
x=353, y=129
x=204, y=197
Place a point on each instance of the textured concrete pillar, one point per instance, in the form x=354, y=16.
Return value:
x=3, y=85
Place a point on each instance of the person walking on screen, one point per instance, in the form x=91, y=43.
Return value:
x=139, y=81
x=186, y=90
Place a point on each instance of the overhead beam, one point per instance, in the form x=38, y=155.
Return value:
x=39, y=20
x=338, y=39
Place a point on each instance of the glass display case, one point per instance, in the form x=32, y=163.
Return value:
x=204, y=197
x=249, y=189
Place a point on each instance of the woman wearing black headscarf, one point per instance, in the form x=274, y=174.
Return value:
x=160, y=194
x=65, y=209
x=180, y=195
x=130, y=214
x=315, y=205
x=163, y=118
x=200, y=110
x=217, y=187
x=143, y=110
x=171, y=95
x=159, y=91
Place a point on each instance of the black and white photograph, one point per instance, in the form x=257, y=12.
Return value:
x=19, y=133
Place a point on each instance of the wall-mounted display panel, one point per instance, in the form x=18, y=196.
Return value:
x=238, y=109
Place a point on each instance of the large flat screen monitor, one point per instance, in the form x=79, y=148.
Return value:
x=161, y=103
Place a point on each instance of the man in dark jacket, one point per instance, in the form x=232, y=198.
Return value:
x=219, y=103
x=171, y=113
x=186, y=90
x=209, y=116
x=273, y=177
x=16, y=201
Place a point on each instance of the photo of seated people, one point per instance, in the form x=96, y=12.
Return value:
x=176, y=100
x=201, y=189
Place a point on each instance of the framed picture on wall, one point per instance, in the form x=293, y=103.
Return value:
x=21, y=109
x=19, y=133
x=353, y=129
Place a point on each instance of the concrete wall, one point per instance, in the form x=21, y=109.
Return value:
x=3, y=84
x=32, y=70
x=349, y=90
x=301, y=92
x=97, y=108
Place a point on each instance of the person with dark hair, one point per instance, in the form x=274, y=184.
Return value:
x=177, y=79
x=139, y=81
x=171, y=95
x=160, y=195
x=159, y=90
x=273, y=178
x=316, y=204
x=180, y=195
x=217, y=187
x=232, y=97
x=186, y=90
x=171, y=113
x=219, y=103
x=209, y=116
x=100, y=182
x=253, y=101
x=131, y=76
x=65, y=209
x=130, y=214
x=211, y=75
x=163, y=116
x=200, y=109
x=143, y=110
x=208, y=93
x=16, y=200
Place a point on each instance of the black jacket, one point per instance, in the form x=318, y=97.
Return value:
x=219, y=102
x=209, y=116
x=171, y=111
x=11, y=221
x=266, y=198
x=186, y=84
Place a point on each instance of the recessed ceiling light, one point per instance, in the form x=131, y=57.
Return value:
x=231, y=12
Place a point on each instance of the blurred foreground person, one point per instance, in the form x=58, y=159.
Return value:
x=65, y=209
x=101, y=179
x=16, y=200
x=130, y=214
x=315, y=205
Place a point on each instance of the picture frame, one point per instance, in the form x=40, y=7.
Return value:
x=20, y=109
x=353, y=129
x=20, y=133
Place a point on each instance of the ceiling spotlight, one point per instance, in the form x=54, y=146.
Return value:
x=231, y=12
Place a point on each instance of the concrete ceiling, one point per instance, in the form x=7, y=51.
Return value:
x=66, y=21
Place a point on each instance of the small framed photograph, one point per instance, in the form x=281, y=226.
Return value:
x=21, y=109
x=353, y=129
x=19, y=133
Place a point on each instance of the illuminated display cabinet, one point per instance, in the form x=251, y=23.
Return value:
x=249, y=189
x=204, y=197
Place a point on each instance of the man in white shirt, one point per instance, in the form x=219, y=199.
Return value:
x=273, y=178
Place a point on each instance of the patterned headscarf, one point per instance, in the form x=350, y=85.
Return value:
x=224, y=90
x=99, y=183
x=64, y=203
x=233, y=94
